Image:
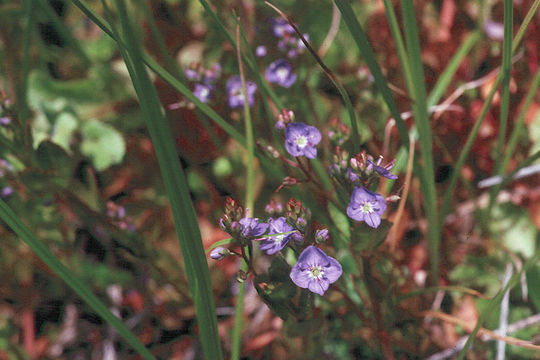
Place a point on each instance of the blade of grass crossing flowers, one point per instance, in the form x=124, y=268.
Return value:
x=447, y=199
x=236, y=339
x=425, y=139
x=494, y=303
x=369, y=57
x=48, y=257
x=177, y=190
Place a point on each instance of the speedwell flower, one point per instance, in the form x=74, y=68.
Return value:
x=236, y=94
x=366, y=206
x=275, y=243
x=383, y=170
x=301, y=139
x=280, y=72
x=251, y=227
x=202, y=92
x=315, y=270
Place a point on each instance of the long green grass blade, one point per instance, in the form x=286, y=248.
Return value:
x=366, y=50
x=447, y=199
x=446, y=77
x=236, y=339
x=423, y=125
x=177, y=190
x=48, y=257
x=518, y=127
x=505, y=88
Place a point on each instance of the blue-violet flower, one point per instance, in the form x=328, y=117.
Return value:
x=366, y=206
x=315, y=270
x=252, y=227
x=280, y=72
x=301, y=139
x=236, y=95
x=383, y=170
x=202, y=92
x=275, y=243
x=280, y=27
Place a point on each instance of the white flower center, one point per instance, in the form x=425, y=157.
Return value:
x=316, y=272
x=282, y=74
x=367, y=207
x=301, y=141
x=204, y=92
x=278, y=239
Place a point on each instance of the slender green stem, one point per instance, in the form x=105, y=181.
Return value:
x=22, y=86
x=505, y=88
x=514, y=137
x=447, y=199
x=184, y=216
x=446, y=77
x=421, y=116
x=236, y=346
x=366, y=50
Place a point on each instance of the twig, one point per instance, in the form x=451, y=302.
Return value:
x=484, y=334
x=503, y=318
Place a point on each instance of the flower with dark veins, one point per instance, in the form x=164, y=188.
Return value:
x=315, y=270
x=301, y=139
x=275, y=243
x=366, y=206
x=251, y=227
x=236, y=93
x=280, y=72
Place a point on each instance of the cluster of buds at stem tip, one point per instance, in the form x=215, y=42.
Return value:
x=284, y=118
x=274, y=209
x=268, y=149
x=339, y=132
x=297, y=215
x=233, y=213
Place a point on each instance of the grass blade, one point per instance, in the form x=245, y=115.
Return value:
x=177, y=190
x=48, y=257
x=445, y=207
x=362, y=42
x=444, y=79
x=423, y=125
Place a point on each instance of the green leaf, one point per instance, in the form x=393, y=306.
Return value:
x=515, y=228
x=340, y=220
x=102, y=144
x=66, y=123
x=533, y=284
x=366, y=238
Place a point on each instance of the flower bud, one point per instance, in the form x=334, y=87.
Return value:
x=219, y=253
x=321, y=236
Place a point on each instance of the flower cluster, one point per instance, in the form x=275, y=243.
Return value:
x=235, y=92
x=288, y=41
x=117, y=214
x=314, y=270
x=356, y=174
x=5, y=169
x=5, y=110
x=205, y=80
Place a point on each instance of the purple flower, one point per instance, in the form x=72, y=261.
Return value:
x=352, y=176
x=280, y=27
x=321, y=236
x=301, y=139
x=252, y=227
x=219, y=253
x=260, y=51
x=212, y=74
x=275, y=243
x=383, y=170
x=494, y=30
x=366, y=206
x=236, y=95
x=192, y=74
x=7, y=191
x=202, y=92
x=5, y=121
x=280, y=72
x=315, y=270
